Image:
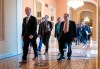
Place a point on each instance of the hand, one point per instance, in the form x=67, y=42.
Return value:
x=87, y=33
x=75, y=39
x=31, y=36
x=39, y=35
x=49, y=29
x=22, y=37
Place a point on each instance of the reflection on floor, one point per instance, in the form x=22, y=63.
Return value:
x=83, y=57
x=49, y=62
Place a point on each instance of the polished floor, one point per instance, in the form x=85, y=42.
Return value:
x=83, y=57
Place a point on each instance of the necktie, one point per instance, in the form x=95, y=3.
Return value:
x=26, y=20
x=66, y=28
x=44, y=26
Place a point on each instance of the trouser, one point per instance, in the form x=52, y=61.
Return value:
x=46, y=41
x=40, y=44
x=62, y=46
x=26, y=45
x=85, y=39
x=78, y=41
x=69, y=50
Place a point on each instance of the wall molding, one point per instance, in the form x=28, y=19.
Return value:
x=3, y=56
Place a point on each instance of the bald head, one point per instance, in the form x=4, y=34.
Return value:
x=66, y=16
x=28, y=11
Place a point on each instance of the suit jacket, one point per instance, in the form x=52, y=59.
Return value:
x=78, y=32
x=56, y=29
x=84, y=29
x=30, y=28
x=69, y=36
x=42, y=28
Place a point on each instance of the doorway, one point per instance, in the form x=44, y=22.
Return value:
x=38, y=11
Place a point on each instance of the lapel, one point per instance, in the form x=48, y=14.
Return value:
x=43, y=23
x=25, y=24
x=70, y=26
x=63, y=24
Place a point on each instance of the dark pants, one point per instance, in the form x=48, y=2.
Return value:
x=78, y=41
x=62, y=46
x=69, y=50
x=46, y=41
x=26, y=45
x=85, y=39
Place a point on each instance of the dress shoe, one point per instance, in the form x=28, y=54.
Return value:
x=23, y=61
x=63, y=57
x=69, y=58
x=46, y=53
x=35, y=58
x=59, y=59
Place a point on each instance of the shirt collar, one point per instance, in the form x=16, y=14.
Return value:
x=28, y=16
x=67, y=21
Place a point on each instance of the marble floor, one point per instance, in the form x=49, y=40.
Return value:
x=83, y=57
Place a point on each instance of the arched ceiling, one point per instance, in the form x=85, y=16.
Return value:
x=92, y=1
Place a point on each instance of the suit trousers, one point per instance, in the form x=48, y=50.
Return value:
x=46, y=41
x=62, y=46
x=26, y=45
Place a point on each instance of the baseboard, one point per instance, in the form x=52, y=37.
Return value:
x=3, y=56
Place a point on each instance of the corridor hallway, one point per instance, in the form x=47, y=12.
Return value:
x=83, y=57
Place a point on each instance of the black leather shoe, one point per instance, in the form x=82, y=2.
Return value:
x=35, y=58
x=46, y=53
x=69, y=58
x=59, y=59
x=23, y=61
x=63, y=57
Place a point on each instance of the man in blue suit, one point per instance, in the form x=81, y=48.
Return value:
x=85, y=33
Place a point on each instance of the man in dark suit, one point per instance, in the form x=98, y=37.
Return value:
x=46, y=32
x=29, y=34
x=67, y=35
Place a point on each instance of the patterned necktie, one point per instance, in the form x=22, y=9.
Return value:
x=66, y=27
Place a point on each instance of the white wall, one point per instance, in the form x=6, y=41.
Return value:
x=19, y=25
x=8, y=47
